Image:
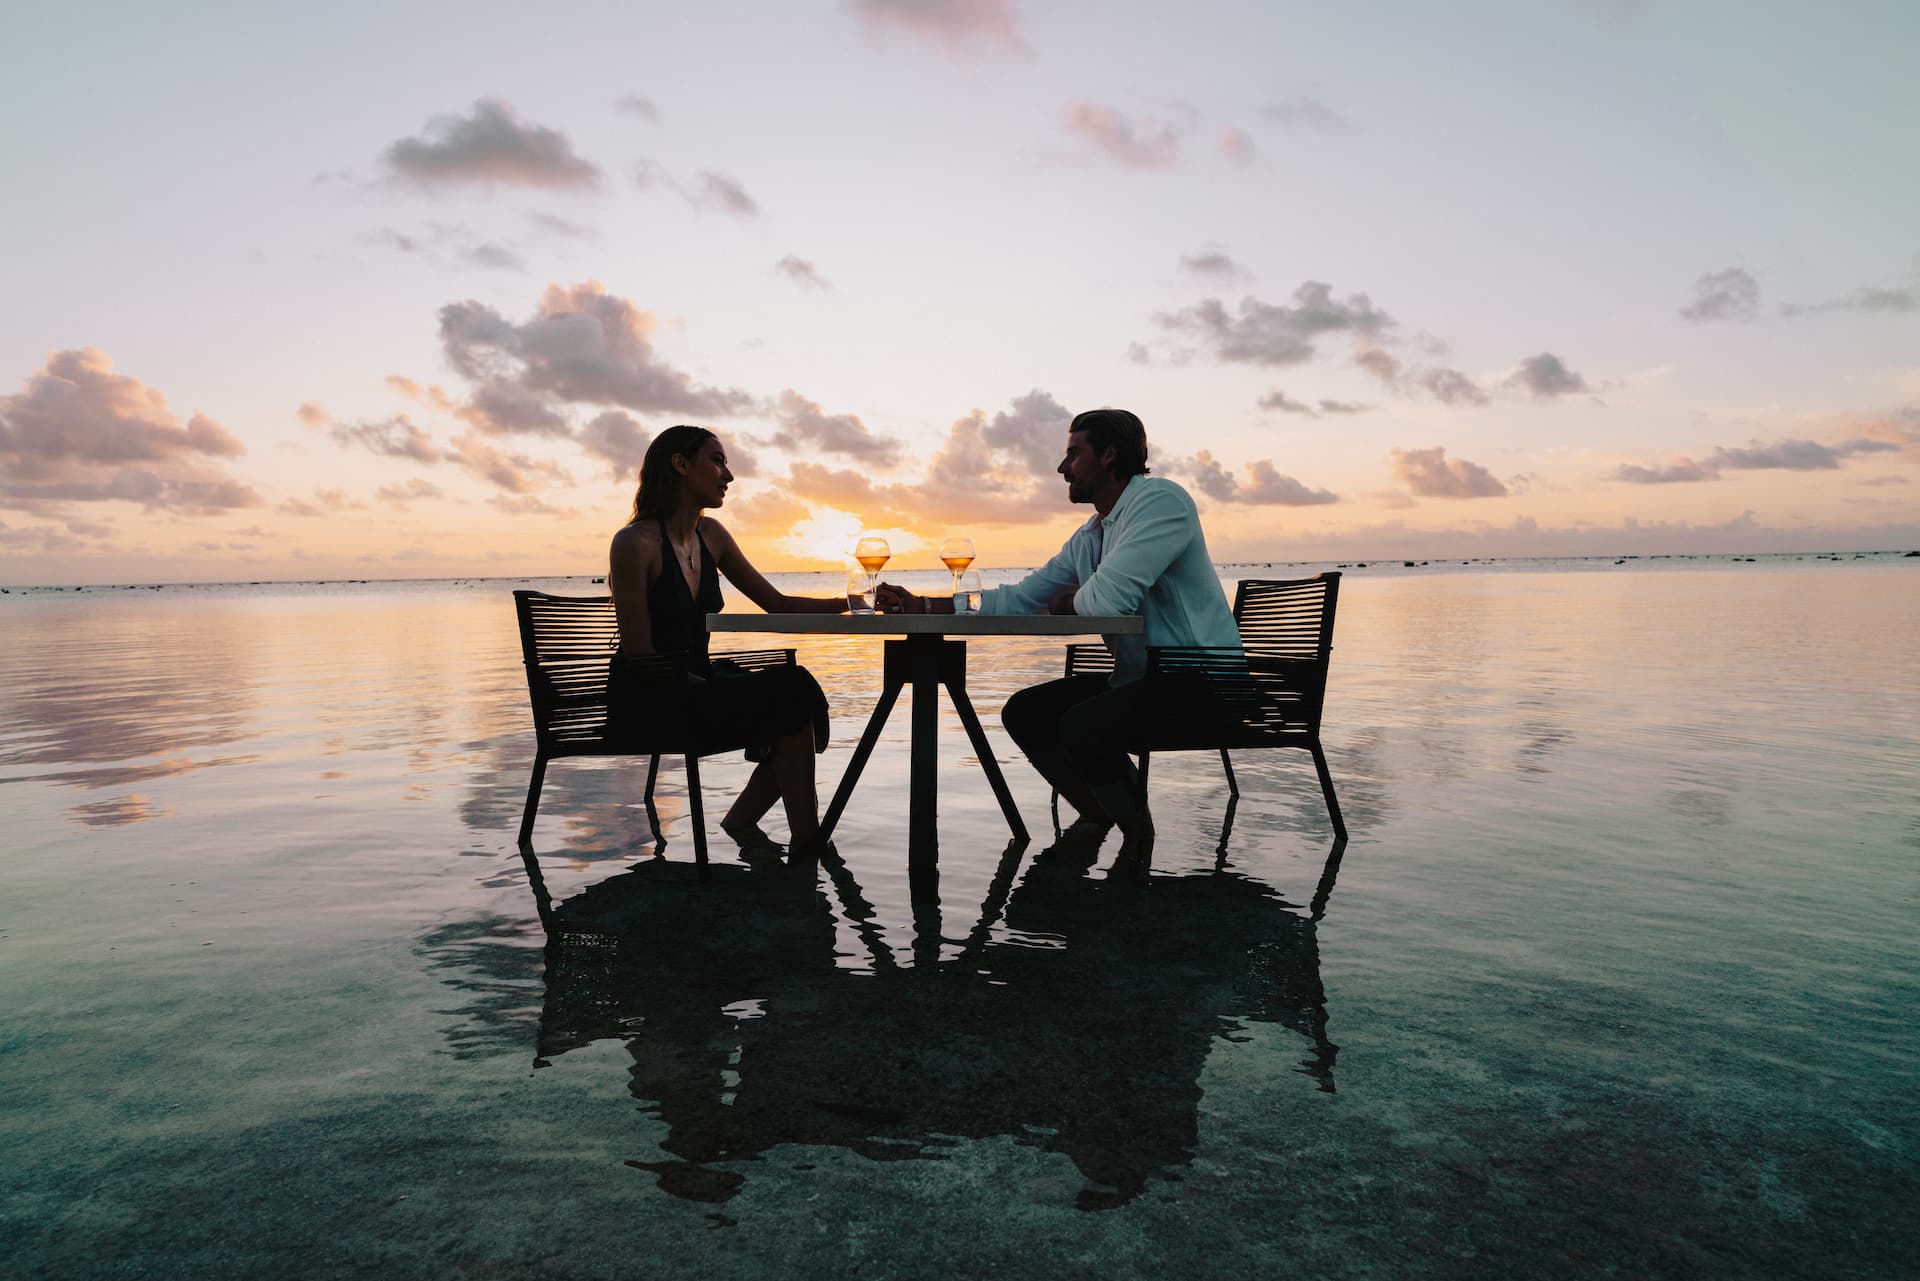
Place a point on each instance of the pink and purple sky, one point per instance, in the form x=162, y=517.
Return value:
x=403, y=291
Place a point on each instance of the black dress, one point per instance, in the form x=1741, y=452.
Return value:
x=730, y=707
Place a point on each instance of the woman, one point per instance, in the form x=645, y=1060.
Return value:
x=663, y=572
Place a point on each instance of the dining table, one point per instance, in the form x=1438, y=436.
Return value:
x=926, y=652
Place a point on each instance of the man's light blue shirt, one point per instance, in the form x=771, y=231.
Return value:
x=1146, y=557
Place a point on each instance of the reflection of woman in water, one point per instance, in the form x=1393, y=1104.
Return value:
x=664, y=573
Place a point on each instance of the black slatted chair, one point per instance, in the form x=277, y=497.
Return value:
x=567, y=642
x=1270, y=696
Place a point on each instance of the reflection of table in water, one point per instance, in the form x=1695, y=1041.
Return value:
x=931, y=651
x=1083, y=1032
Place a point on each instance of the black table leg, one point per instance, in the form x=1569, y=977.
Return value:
x=889, y=692
x=926, y=662
x=923, y=795
x=954, y=674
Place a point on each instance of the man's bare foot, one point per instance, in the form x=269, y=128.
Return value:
x=753, y=842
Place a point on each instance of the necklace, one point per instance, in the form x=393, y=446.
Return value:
x=686, y=551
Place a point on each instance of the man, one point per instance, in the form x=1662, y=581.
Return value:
x=1142, y=553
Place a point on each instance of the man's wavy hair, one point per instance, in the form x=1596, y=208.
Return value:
x=1119, y=430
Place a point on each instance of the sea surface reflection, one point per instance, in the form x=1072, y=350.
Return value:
x=1081, y=1028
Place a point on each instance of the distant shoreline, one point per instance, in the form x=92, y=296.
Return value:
x=1299, y=568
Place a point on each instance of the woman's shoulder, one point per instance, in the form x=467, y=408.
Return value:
x=640, y=539
x=714, y=533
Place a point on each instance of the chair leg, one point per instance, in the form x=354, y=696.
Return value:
x=1233, y=784
x=698, y=814
x=1326, y=788
x=533, y=798
x=653, y=815
x=1055, y=804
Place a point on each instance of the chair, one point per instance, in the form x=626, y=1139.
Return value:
x=1270, y=697
x=567, y=642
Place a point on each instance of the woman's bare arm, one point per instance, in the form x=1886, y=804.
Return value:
x=633, y=562
x=754, y=585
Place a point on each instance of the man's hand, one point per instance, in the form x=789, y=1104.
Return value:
x=1061, y=602
x=889, y=599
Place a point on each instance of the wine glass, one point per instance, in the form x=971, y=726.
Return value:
x=873, y=553
x=956, y=554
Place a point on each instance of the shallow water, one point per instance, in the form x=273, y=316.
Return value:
x=1616, y=976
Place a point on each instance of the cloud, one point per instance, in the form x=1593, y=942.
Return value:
x=493, y=146
x=502, y=407
x=1265, y=485
x=1450, y=387
x=1382, y=364
x=1343, y=407
x=619, y=441
x=1885, y=300
x=312, y=413
x=1280, y=402
x=990, y=470
x=802, y=273
x=1119, y=140
x=952, y=26
x=806, y=428
x=78, y=432
x=528, y=505
x=708, y=192
x=635, y=105
x=1236, y=146
x=1547, y=376
x=328, y=500
x=1676, y=473
x=1781, y=455
x=1264, y=333
x=554, y=225
x=439, y=239
x=394, y=437
x=400, y=497
x=1724, y=295
x=718, y=191
x=1307, y=113
x=1431, y=474
x=1214, y=264
x=515, y=473
x=583, y=345
x=493, y=256
x=432, y=395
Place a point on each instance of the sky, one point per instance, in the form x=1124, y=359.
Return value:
x=373, y=290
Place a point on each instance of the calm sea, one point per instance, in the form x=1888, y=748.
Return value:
x=1618, y=974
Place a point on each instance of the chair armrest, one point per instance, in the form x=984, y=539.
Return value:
x=756, y=659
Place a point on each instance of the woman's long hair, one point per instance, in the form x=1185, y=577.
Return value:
x=659, y=483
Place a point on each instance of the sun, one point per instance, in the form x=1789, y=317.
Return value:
x=828, y=534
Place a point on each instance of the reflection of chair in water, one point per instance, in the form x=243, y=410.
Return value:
x=1270, y=696
x=566, y=643
x=1084, y=1032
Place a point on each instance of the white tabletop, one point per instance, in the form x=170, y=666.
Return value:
x=930, y=624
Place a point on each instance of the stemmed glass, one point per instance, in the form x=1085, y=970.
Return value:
x=873, y=553
x=956, y=554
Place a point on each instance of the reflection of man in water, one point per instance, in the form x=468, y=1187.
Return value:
x=1142, y=553
x=745, y=1036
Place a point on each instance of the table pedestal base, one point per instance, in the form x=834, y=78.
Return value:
x=926, y=662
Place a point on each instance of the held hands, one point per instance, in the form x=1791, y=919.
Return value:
x=1061, y=602
x=888, y=599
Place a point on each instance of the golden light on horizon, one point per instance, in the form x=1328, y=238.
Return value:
x=828, y=535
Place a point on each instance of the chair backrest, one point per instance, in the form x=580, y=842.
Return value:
x=567, y=643
x=1286, y=626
